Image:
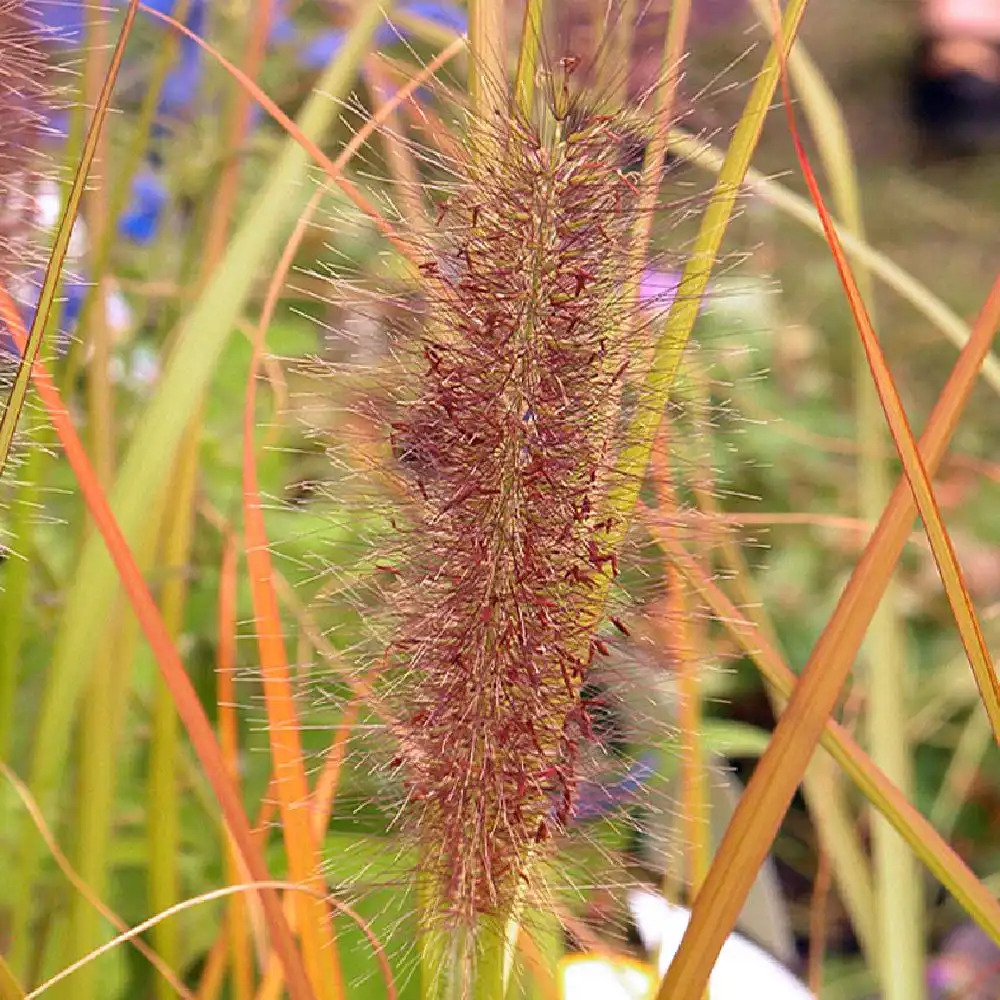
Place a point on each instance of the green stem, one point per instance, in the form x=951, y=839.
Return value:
x=165, y=747
x=527, y=57
x=488, y=57
x=14, y=602
x=99, y=763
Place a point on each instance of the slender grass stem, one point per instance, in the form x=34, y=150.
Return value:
x=527, y=56
x=904, y=284
x=488, y=57
x=15, y=617
x=655, y=390
x=101, y=738
x=164, y=748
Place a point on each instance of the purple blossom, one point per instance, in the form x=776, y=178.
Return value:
x=322, y=49
x=658, y=289
x=445, y=15
x=141, y=219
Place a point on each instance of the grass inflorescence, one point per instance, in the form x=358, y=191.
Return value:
x=27, y=101
x=509, y=442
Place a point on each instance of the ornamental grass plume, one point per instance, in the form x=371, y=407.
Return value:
x=517, y=375
x=511, y=441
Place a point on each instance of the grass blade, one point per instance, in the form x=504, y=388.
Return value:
x=655, y=391
x=185, y=697
x=150, y=458
x=935, y=852
x=948, y=566
x=899, y=902
x=237, y=929
x=288, y=768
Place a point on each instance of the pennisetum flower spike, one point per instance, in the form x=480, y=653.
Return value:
x=508, y=422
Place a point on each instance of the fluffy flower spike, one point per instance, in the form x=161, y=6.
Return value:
x=510, y=442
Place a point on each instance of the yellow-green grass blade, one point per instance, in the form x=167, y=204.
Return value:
x=655, y=391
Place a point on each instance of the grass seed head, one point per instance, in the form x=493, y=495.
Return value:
x=509, y=438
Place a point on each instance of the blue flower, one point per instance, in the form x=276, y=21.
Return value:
x=183, y=81
x=321, y=50
x=282, y=28
x=64, y=21
x=75, y=292
x=446, y=15
x=141, y=220
x=60, y=21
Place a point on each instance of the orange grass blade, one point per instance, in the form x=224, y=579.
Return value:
x=779, y=771
x=924, y=840
x=213, y=973
x=10, y=988
x=651, y=176
x=541, y=973
x=948, y=566
x=236, y=929
x=288, y=768
x=818, y=906
x=301, y=837
x=172, y=668
x=288, y=778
